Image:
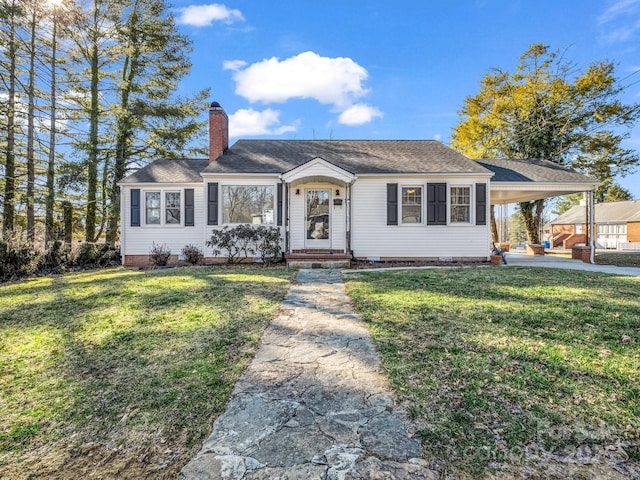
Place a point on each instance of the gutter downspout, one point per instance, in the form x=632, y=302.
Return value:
x=349, y=211
x=287, y=199
x=592, y=246
x=122, y=226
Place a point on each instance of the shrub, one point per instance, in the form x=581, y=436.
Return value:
x=234, y=241
x=192, y=254
x=109, y=256
x=17, y=261
x=56, y=258
x=268, y=244
x=246, y=241
x=159, y=255
x=95, y=255
x=85, y=255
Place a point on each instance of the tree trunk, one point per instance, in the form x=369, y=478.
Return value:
x=50, y=200
x=8, y=212
x=494, y=226
x=94, y=117
x=123, y=135
x=67, y=211
x=532, y=215
x=31, y=162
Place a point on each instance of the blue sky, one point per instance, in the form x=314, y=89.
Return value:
x=347, y=69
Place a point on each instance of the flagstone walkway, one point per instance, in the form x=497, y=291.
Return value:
x=313, y=402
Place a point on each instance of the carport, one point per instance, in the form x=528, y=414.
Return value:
x=534, y=179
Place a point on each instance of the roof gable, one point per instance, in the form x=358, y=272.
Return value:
x=318, y=167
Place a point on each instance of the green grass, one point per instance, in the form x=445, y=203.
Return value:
x=496, y=364
x=619, y=259
x=124, y=359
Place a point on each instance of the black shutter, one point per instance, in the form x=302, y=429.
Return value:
x=436, y=204
x=189, y=217
x=481, y=203
x=279, y=204
x=212, y=204
x=392, y=204
x=135, y=207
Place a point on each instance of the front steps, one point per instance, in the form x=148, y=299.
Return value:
x=318, y=258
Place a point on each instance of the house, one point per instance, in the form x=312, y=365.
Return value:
x=617, y=225
x=333, y=200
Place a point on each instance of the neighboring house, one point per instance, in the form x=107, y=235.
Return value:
x=617, y=225
x=333, y=200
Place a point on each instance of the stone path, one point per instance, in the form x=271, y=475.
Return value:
x=313, y=402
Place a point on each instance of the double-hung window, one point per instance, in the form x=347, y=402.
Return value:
x=460, y=201
x=172, y=208
x=411, y=205
x=248, y=204
x=162, y=208
x=153, y=208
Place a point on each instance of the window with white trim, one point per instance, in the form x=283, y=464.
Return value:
x=162, y=207
x=411, y=204
x=460, y=201
x=248, y=204
x=172, y=208
x=153, y=208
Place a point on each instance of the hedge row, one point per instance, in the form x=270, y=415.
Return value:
x=19, y=261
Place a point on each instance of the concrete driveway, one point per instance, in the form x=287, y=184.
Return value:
x=550, y=261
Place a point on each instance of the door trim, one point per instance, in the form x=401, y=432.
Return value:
x=323, y=226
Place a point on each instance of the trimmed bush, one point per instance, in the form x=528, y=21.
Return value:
x=192, y=254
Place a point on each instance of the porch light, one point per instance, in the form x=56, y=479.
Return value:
x=297, y=191
x=337, y=192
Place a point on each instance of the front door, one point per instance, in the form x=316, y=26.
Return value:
x=317, y=218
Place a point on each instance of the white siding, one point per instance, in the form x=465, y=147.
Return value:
x=237, y=180
x=372, y=237
x=139, y=240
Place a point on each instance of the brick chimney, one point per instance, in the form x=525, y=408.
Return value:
x=218, y=131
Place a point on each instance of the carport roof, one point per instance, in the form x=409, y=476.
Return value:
x=518, y=180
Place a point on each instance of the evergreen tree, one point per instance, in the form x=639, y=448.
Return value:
x=10, y=13
x=153, y=57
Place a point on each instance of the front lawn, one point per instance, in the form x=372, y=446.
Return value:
x=514, y=371
x=628, y=259
x=119, y=373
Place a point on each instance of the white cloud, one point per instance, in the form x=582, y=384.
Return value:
x=359, y=114
x=617, y=9
x=332, y=81
x=620, y=21
x=247, y=122
x=437, y=137
x=205, y=15
x=233, y=64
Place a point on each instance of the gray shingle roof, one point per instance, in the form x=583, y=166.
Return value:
x=164, y=170
x=355, y=156
x=610, y=212
x=532, y=170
